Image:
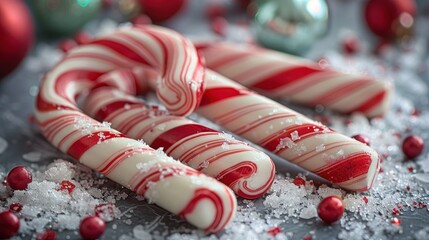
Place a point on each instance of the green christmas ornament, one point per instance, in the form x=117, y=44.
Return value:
x=291, y=25
x=64, y=17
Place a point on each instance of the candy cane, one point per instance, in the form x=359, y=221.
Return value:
x=247, y=171
x=201, y=200
x=280, y=75
x=292, y=136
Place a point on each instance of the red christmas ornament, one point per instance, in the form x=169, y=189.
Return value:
x=16, y=34
x=390, y=18
x=47, y=235
x=9, y=223
x=330, y=209
x=413, y=146
x=19, y=178
x=362, y=138
x=161, y=10
x=92, y=227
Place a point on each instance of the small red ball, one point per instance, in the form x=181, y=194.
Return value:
x=47, y=235
x=330, y=209
x=351, y=45
x=413, y=146
x=384, y=17
x=298, y=181
x=92, y=227
x=82, y=38
x=19, y=178
x=215, y=10
x=9, y=223
x=161, y=10
x=362, y=138
x=67, y=45
x=142, y=19
x=219, y=26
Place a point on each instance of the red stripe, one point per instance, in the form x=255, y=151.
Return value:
x=121, y=50
x=79, y=147
x=205, y=194
x=170, y=137
x=284, y=78
x=213, y=95
x=302, y=130
x=366, y=106
x=236, y=173
x=349, y=168
x=338, y=93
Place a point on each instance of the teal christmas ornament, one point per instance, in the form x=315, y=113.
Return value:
x=64, y=17
x=291, y=26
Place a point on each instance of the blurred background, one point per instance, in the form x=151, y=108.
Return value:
x=293, y=26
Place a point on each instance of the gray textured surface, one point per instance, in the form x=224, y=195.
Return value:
x=17, y=103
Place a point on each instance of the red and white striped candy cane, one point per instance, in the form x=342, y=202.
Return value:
x=280, y=75
x=201, y=200
x=292, y=136
x=249, y=172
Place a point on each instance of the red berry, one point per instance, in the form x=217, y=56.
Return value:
x=19, y=178
x=362, y=138
x=9, y=223
x=351, y=45
x=299, y=181
x=47, y=235
x=92, y=227
x=82, y=38
x=219, y=26
x=15, y=207
x=67, y=185
x=215, y=10
x=413, y=146
x=330, y=209
x=141, y=19
x=67, y=45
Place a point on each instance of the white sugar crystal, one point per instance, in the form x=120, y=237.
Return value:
x=294, y=135
x=3, y=145
x=228, y=137
x=285, y=142
x=32, y=156
x=59, y=170
x=204, y=164
x=320, y=147
x=327, y=191
x=353, y=202
x=308, y=212
x=140, y=233
x=69, y=222
x=225, y=146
